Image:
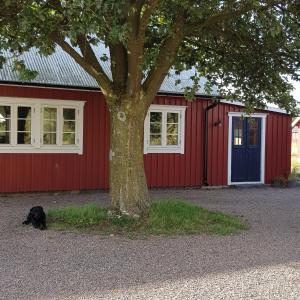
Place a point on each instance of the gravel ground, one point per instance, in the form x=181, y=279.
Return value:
x=261, y=263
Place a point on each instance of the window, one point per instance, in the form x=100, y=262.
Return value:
x=164, y=129
x=253, y=132
x=69, y=125
x=49, y=126
x=155, y=128
x=238, y=132
x=5, y=126
x=40, y=126
x=23, y=125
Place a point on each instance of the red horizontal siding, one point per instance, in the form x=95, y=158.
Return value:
x=45, y=172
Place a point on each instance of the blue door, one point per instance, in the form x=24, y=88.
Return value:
x=246, y=149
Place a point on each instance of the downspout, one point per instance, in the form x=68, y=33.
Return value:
x=205, y=170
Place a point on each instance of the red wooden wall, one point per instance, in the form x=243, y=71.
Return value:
x=278, y=144
x=45, y=172
x=177, y=170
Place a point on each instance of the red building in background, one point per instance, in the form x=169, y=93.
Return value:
x=296, y=142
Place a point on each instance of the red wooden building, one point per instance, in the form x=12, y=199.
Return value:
x=54, y=135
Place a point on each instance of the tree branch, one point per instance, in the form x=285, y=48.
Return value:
x=134, y=49
x=226, y=14
x=119, y=67
x=88, y=61
x=166, y=57
x=139, y=21
x=144, y=20
x=102, y=79
x=222, y=16
x=89, y=54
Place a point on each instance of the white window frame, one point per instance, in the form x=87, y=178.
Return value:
x=164, y=148
x=37, y=145
x=263, y=146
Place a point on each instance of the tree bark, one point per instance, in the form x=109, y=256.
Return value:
x=128, y=186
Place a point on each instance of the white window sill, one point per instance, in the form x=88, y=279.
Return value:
x=164, y=150
x=32, y=149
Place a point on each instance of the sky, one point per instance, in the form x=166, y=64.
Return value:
x=296, y=92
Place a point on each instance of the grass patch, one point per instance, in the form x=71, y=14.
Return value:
x=169, y=217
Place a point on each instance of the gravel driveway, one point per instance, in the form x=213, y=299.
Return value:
x=261, y=263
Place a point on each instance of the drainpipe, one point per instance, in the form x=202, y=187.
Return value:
x=209, y=107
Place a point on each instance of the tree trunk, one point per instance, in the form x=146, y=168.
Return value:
x=128, y=186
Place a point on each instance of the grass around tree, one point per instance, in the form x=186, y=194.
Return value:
x=166, y=217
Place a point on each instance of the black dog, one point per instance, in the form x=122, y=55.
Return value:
x=37, y=218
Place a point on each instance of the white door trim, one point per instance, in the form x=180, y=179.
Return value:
x=263, y=146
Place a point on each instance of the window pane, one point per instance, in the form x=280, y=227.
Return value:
x=24, y=138
x=69, y=126
x=24, y=112
x=49, y=138
x=69, y=113
x=155, y=128
x=238, y=132
x=155, y=117
x=253, y=132
x=4, y=137
x=172, y=140
x=172, y=117
x=49, y=126
x=4, y=112
x=69, y=138
x=24, y=125
x=50, y=113
x=172, y=128
x=5, y=125
x=155, y=139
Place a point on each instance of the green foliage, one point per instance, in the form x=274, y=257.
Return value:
x=294, y=177
x=295, y=166
x=280, y=182
x=248, y=49
x=24, y=73
x=169, y=217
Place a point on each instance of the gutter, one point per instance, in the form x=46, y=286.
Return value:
x=87, y=88
x=205, y=158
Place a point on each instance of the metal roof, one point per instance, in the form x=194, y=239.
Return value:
x=59, y=69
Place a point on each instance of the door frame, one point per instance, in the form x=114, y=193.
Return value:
x=263, y=118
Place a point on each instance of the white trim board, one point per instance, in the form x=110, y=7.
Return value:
x=263, y=147
x=268, y=108
x=32, y=101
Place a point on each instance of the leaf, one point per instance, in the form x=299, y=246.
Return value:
x=24, y=73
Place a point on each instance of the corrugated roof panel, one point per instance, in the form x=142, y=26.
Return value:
x=60, y=69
